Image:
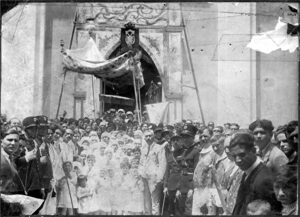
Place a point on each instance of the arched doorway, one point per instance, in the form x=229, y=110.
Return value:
x=151, y=92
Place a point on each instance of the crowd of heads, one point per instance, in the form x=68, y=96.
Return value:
x=118, y=137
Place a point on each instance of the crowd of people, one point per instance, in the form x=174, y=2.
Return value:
x=115, y=165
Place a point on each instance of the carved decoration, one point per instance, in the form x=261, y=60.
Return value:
x=138, y=13
x=153, y=43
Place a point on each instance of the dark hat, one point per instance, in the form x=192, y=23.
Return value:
x=265, y=124
x=175, y=136
x=211, y=123
x=160, y=127
x=189, y=129
x=242, y=137
x=112, y=110
x=168, y=129
x=34, y=121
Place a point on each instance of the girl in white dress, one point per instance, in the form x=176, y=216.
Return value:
x=66, y=191
x=136, y=203
x=102, y=197
x=84, y=195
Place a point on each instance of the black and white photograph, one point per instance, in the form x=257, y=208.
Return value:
x=149, y=108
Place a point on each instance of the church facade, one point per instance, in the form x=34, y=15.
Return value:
x=184, y=45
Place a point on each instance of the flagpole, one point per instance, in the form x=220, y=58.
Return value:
x=191, y=64
x=65, y=71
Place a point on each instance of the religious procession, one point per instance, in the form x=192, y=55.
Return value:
x=158, y=109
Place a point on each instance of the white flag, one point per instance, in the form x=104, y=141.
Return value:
x=157, y=112
x=266, y=42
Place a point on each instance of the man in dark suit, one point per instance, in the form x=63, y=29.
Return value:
x=173, y=172
x=34, y=164
x=257, y=180
x=187, y=162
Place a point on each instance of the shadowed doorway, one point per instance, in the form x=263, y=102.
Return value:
x=151, y=92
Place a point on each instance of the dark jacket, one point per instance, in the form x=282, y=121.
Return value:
x=35, y=174
x=259, y=185
x=188, y=162
x=173, y=169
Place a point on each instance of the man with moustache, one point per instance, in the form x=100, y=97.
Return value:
x=67, y=147
x=257, y=180
x=202, y=176
x=152, y=168
x=271, y=155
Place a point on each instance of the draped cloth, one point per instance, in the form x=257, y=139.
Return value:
x=89, y=60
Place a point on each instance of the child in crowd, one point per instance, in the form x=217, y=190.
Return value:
x=136, y=202
x=89, y=170
x=84, y=195
x=101, y=198
x=66, y=191
x=122, y=193
x=258, y=207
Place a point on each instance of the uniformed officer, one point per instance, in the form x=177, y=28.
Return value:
x=187, y=162
x=173, y=173
x=34, y=164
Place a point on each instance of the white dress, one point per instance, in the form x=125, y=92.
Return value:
x=84, y=195
x=66, y=197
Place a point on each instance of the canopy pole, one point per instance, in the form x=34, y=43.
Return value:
x=140, y=102
x=93, y=97
x=191, y=64
x=65, y=71
x=136, y=97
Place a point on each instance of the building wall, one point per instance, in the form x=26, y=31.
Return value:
x=235, y=84
x=20, y=77
x=279, y=73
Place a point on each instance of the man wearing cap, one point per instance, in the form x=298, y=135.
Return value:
x=129, y=116
x=271, y=155
x=187, y=161
x=152, y=169
x=34, y=164
x=257, y=179
x=173, y=172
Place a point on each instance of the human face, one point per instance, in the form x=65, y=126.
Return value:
x=10, y=143
x=158, y=135
x=68, y=135
x=286, y=194
x=217, y=131
x=204, y=138
x=49, y=137
x=82, y=183
x=15, y=123
x=243, y=158
x=88, y=129
x=76, y=137
x=109, y=155
x=144, y=127
x=57, y=134
x=218, y=147
x=284, y=145
x=261, y=137
x=105, y=139
x=64, y=126
x=186, y=140
x=233, y=128
x=149, y=137
x=67, y=167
